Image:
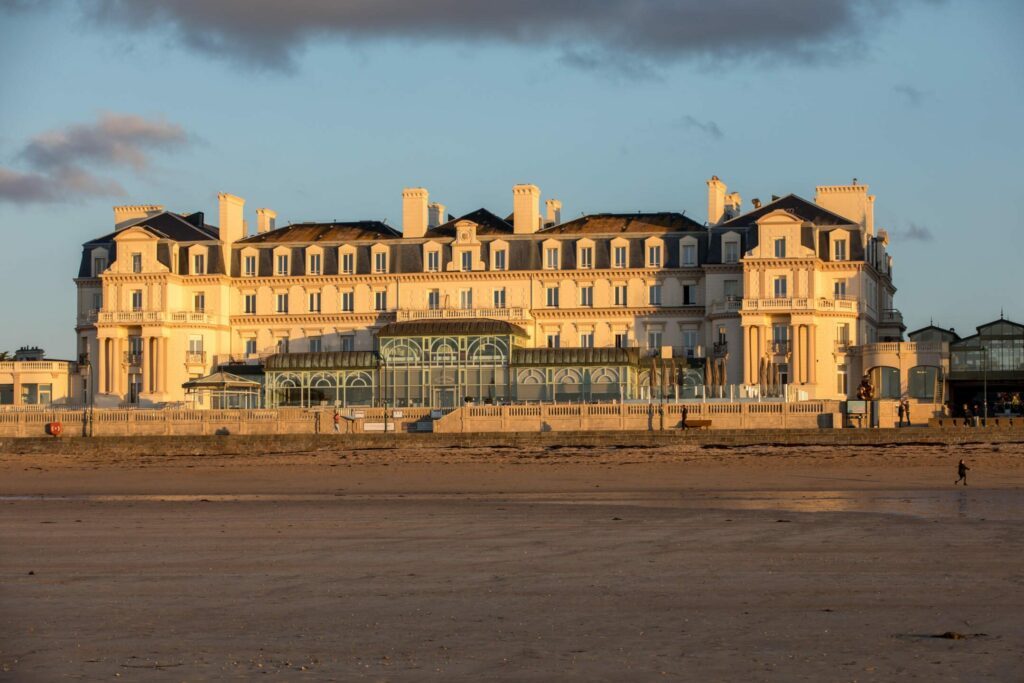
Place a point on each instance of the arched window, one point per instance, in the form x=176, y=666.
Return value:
x=923, y=382
x=886, y=381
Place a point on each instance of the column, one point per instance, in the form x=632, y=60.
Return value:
x=101, y=366
x=746, y=354
x=162, y=364
x=147, y=359
x=812, y=354
x=794, y=353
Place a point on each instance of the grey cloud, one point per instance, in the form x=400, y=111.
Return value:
x=271, y=33
x=709, y=128
x=917, y=233
x=912, y=95
x=58, y=158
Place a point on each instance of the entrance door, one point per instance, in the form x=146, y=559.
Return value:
x=444, y=397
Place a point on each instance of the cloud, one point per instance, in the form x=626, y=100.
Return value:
x=709, y=128
x=917, y=233
x=271, y=33
x=57, y=159
x=913, y=96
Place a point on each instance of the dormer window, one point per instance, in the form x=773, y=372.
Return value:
x=433, y=261
x=249, y=265
x=501, y=260
x=315, y=264
x=731, y=252
x=654, y=256
x=199, y=264
x=689, y=255
x=380, y=259
x=780, y=248
x=348, y=263
x=619, y=256
x=839, y=250
x=586, y=257
x=99, y=264
x=282, y=264
x=551, y=259
x=467, y=261
x=136, y=262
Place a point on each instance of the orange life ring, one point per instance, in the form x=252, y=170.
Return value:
x=56, y=428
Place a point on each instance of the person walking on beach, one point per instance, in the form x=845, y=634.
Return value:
x=961, y=469
x=906, y=410
x=337, y=422
x=900, y=411
x=683, y=414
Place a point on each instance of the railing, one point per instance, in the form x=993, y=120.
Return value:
x=515, y=313
x=33, y=365
x=195, y=357
x=730, y=305
x=779, y=346
x=132, y=358
x=153, y=317
x=892, y=315
x=897, y=347
x=801, y=304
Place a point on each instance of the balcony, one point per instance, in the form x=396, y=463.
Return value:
x=460, y=313
x=195, y=358
x=801, y=304
x=731, y=304
x=720, y=348
x=779, y=347
x=891, y=316
x=132, y=358
x=159, y=317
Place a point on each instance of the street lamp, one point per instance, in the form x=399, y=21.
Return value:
x=984, y=376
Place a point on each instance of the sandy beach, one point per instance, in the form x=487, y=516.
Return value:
x=670, y=563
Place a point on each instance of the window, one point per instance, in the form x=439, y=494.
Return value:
x=552, y=296
x=551, y=258
x=250, y=347
x=434, y=299
x=467, y=261
x=380, y=300
x=199, y=264
x=250, y=303
x=780, y=248
x=348, y=301
x=249, y=265
x=843, y=334
x=136, y=263
x=840, y=250
x=780, y=288
x=731, y=252
x=586, y=340
x=731, y=289
x=554, y=341
x=587, y=295
x=136, y=299
x=499, y=297
x=923, y=382
x=621, y=340
x=348, y=263
x=839, y=289
x=195, y=344
x=315, y=344
x=465, y=299
x=433, y=261
x=689, y=295
x=99, y=264
x=654, y=256
x=620, y=295
x=654, y=295
x=780, y=337
x=314, y=265
x=282, y=264
x=841, y=383
x=586, y=257
x=135, y=346
x=722, y=337
x=380, y=262
x=500, y=259
x=654, y=339
x=689, y=254
x=199, y=302
x=282, y=302
x=314, y=302
x=348, y=342
x=282, y=345
x=619, y=257
x=97, y=301
x=690, y=342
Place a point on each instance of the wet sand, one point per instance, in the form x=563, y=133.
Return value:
x=676, y=563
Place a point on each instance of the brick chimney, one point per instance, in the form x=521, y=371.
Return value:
x=415, y=211
x=716, y=200
x=526, y=209
x=266, y=220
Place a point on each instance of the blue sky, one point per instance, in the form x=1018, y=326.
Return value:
x=925, y=105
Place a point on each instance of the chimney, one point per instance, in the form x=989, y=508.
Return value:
x=554, y=211
x=526, y=209
x=852, y=202
x=232, y=224
x=733, y=204
x=437, y=215
x=415, y=211
x=266, y=220
x=716, y=200
x=125, y=216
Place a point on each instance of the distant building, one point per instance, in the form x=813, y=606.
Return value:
x=30, y=379
x=491, y=306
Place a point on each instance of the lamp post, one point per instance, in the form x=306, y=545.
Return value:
x=984, y=376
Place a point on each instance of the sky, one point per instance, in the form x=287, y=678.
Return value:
x=326, y=109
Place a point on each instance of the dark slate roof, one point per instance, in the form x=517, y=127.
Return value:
x=222, y=380
x=326, y=232
x=797, y=206
x=169, y=225
x=613, y=223
x=575, y=356
x=325, y=360
x=935, y=328
x=455, y=328
x=487, y=224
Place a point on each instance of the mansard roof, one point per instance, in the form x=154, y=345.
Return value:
x=324, y=360
x=169, y=225
x=791, y=204
x=325, y=232
x=487, y=224
x=459, y=327
x=540, y=357
x=615, y=223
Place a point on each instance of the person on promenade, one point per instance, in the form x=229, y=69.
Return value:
x=961, y=470
x=337, y=422
x=906, y=410
x=900, y=412
x=683, y=414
